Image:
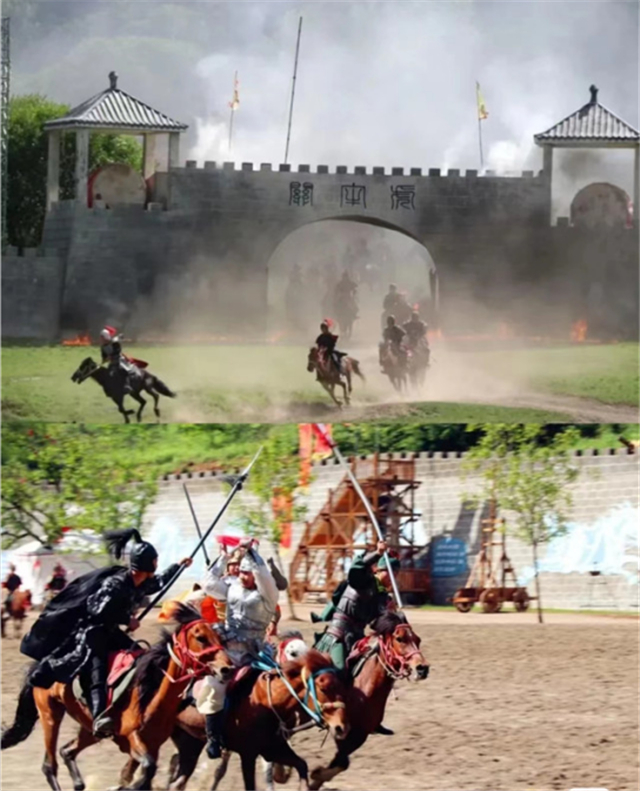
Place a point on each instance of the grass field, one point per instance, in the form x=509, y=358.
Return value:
x=271, y=384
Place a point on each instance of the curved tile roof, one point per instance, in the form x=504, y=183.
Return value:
x=115, y=109
x=592, y=122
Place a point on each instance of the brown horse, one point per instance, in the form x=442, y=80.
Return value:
x=393, y=652
x=329, y=376
x=260, y=723
x=144, y=716
x=394, y=366
x=15, y=609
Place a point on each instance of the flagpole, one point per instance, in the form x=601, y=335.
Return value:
x=233, y=107
x=480, y=140
x=293, y=92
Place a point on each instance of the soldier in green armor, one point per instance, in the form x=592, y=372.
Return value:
x=364, y=597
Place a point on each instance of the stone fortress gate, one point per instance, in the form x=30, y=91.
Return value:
x=491, y=237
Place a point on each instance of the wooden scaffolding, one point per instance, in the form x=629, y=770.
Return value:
x=343, y=528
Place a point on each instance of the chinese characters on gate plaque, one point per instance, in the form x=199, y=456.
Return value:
x=402, y=195
x=300, y=194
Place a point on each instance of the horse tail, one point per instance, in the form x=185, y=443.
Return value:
x=25, y=719
x=161, y=387
x=355, y=364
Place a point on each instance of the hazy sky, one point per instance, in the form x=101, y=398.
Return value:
x=388, y=84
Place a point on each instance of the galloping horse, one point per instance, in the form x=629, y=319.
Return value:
x=329, y=376
x=307, y=690
x=144, y=716
x=395, y=367
x=19, y=604
x=418, y=365
x=120, y=384
x=391, y=653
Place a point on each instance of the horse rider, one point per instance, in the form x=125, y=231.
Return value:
x=111, y=351
x=391, y=299
x=58, y=579
x=416, y=331
x=364, y=598
x=251, y=600
x=11, y=584
x=80, y=627
x=392, y=337
x=326, y=344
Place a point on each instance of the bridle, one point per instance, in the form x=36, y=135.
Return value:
x=395, y=664
x=310, y=698
x=194, y=663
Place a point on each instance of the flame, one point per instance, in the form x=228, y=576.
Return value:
x=79, y=340
x=579, y=331
x=435, y=335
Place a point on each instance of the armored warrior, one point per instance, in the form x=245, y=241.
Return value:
x=58, y=580
x=111, y=351
x=359, y=603
x=252, y=599
x=392, y=337
x=416, y=331
x=81, y=625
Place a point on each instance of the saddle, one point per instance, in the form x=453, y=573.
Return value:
x=121, y=670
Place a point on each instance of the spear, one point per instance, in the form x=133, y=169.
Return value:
x=238, y=483
x=195, y=522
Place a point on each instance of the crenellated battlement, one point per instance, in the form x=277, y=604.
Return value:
x=357, y=170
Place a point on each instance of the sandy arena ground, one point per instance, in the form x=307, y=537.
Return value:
x=509, y=705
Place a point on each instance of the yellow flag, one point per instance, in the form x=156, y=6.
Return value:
x=482, y=108
x=235, y=102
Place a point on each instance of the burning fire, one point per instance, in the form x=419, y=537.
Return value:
x=79, y=340
x=579, y=331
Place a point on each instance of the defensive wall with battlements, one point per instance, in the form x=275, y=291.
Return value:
x=605, y=510
x=490, y=238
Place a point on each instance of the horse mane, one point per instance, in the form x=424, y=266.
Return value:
x=387, y=623
x=150, y=667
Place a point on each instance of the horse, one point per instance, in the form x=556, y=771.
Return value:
x=306, y=691
x=346, y=311
x=118, y=384
x=328, y=375
x=395, y=367
x=391, y=653
x=18, y=605
x=418, y=365
x=144, y=717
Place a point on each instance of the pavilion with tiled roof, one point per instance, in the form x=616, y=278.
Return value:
x=112, y=110
x=592, y=126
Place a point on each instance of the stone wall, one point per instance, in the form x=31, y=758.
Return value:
x=496, y=255
x=607, y=482
x=32, y=287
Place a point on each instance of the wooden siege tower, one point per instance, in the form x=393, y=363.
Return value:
x=343, y=528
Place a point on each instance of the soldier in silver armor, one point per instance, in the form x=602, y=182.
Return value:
x=111, y=351
x=252, y=598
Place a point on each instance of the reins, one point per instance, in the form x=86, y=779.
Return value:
x=193, y=662
x=271, y=668
x=396, y=665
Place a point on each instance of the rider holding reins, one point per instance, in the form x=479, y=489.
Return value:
x=326, y=344
x=393, y=337
x=416, y=331
x=111, y=351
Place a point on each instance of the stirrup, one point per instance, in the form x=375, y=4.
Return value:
x=103, y=726
x=214, y=749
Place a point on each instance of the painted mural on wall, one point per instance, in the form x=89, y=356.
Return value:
x=609, y=545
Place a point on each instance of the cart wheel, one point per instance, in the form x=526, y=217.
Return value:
x=464, y=606
x=490, y=600
x=521, y=600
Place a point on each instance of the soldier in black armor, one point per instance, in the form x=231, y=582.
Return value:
x=81, y=625
x=393, y=336
x=326, y=343
x=416, y=331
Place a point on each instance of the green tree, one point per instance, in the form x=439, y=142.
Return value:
x=27, y=163
x=60, y=476
x=272, y=486
x=527, y=473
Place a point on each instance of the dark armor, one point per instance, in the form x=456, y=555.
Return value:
x=326, y=342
